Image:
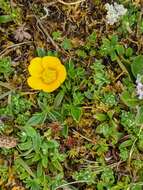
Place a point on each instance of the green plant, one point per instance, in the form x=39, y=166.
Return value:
x=5, y=19
x=5, y=66
x=43, y=152
x=87, y=134
x=11, y=13
x=3, y=173
x=66, y=44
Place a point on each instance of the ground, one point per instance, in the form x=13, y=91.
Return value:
x=87, y=134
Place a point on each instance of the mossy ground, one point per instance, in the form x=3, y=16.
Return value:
x=86, y=135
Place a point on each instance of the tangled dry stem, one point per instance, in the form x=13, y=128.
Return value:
x=71, y=3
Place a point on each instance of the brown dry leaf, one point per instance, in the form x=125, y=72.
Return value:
x=7, y=142
x=21, y=34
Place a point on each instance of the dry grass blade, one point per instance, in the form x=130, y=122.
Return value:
x=10, y=48
x=71, y=183
x=5, y=94
x=41, y=27
x=72, y=3
x=75, y=132
x=6, y=85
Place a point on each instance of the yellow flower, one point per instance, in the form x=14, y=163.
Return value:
x=47, y=73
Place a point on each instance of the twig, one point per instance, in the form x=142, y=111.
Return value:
x=70, y=183
x=28, y=93
x=83, y=136
x=72, y=3
x=134, y=42
x=47, y=13
x=50, y=3
x=122, y=66
x=47, y=34
x=10, y=48
x=122, y=73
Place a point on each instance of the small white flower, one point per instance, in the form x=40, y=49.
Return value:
x=139, y=87
x=114, y=12
x=120, y=9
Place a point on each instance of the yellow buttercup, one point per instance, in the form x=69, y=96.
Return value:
x=47, y=73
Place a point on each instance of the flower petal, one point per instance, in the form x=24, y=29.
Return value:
x=51, y=87
x=35, y=68
x=36, y=83
x=50, y=61
x=60, y=79
x=61, y=73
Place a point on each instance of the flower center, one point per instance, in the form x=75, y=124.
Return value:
x=49, y=75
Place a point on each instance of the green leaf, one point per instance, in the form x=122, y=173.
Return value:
x=92, y=37
x=66, y=44
x=92, y=52
x=76, y=113
x=52, y=144
x=52, y=53
x=114, y=40
x=101, y=116
x=6, y=66
x=40, y=52
x=36, y=142
x=129, y=52
x=113, y=55
x=58, y=99
x=30, y=131
x=139, y=116
x=136, y=187
x=110, y=99
x=55, y=116
x=81, y=53
x=39, y=170
x=108, y=176
x=137, y=65
x=5, y=19
x=78, y=98
x=71, y=70
x=140, y=144
x=56, y=35
x=37, y=119
x=26, y=145
x=105, y=47
x=57, y=165
x=124, y=153
x=44, y=161
x=129, y=100
x=120, y=49
x=104, y=129
x=65, y=131
x=25, y=166
x=126, y=143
